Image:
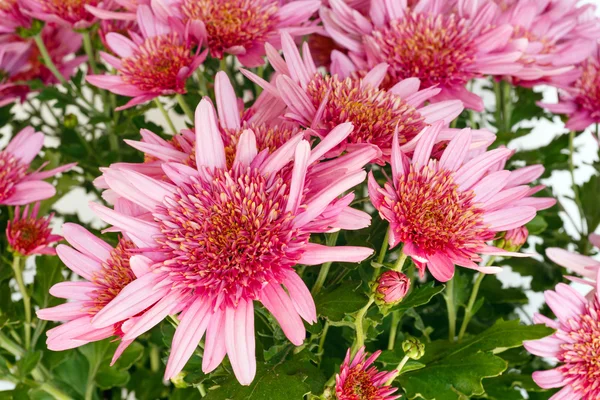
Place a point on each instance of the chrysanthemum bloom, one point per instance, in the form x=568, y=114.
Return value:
x=28, y=235
x=442, y=45
x=360, y=379
x=392, y=286
x=574, y=344
x=11, y=17
x=585, y=266
x=242, y=27
x=18, y=186
x=156, y=63
x=13, y=61
x=445, y=212
x=580, y=100
x=323, y=102
x=559, y=36
x=221, y=236
x=71, y=13
x=106, y=271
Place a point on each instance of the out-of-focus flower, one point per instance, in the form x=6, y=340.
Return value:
x=323, y=102
x=574, y=344
x=585, y=266
x=579, y=98
x=156, y=63
x=106, y=271
x=13, y=61
x=11, y=17
x=443, y=44
x=560, y=34
x=413, y=348
x=70, y=13
x=446, y=211
x=224, y=236
x=243, y=27
x=17, y=185
x=29, y=235
x=392, y=286
x=360, y=379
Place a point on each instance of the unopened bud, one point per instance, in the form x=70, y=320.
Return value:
x=515, y=238
x=179, y=380
x=71, y=121
x=392, y=286
x=413, y=348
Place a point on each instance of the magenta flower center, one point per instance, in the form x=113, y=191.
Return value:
x=434, y=214
x=359, y=385
x=581, y=358
x=156, y=65
x=11, y=172
x=114, y=275
x=228, y=236
x=28, y=234
x=69, y=10
x=375, y=113
x=234, y=23
x=588, y=88
x=436, y=49
x=7, y=5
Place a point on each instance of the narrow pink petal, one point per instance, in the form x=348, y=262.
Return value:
x=508, y=218
x=316, y=254
x=300, y=295
x=298, y=71
x=86, y=242
x=440, y=267
x=154, y=315
x=240, y=341
x=376, y=75
x=77, y=262
x=277, y=301
x=214, y=346
x=425, y=145
x=120, y=350
x=549, y=379
x=139, y=229
x=490, y=185
x=406, y=87
x=573, y=261
x=210, y=151
x=546, y=347
x=229, y=113
x=301, y=161
x=473, y=170
x=295, y=98
x=281, y=156
x=29, y=192
x=445, y=111
x=26, y=145
x=331, y=140
x=121, y=45
x=246, y=148
x=454, y=155
x=73, y=290
x=187, y=336
x=63, y=312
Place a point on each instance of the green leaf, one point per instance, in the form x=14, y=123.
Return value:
x=537, y=225
x=419, y=296
x=29, y=361
x=108, y=377
x=131, y=355
x=589, y=201
x=345, y=299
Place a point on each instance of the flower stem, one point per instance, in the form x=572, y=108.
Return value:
x=449, y=297
x=17, y=265
x=469, y=309
x=384, y=246
x=331, y=240
x=400, y=262
x=398, y=370
x=184, y=106
x=507, y=106
x=322, y=340
x=89, y=51
x=358, y=325
x=394, y=329
x=583, y=231
x=166, y=115
x=47, y=59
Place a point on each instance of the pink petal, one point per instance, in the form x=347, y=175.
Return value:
x=73, y=290
x=246, y=148
x=316, y=254
x=86, y=242
x=549, y=379
x=440, y=267
x=300, y=295
x=214, y=346
x=77, y=262
x=63, y=312
x=210, y=151
x=229, y=114
x=277, y=301
x=240, y=341
x=508, y=218
x=301, y=162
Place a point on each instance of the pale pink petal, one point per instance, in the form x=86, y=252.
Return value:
x=86, y=242
x=301, y=160
x=277, y=301
x=63, y=312
x=214, y=346
x=240, y=341
x=316, y=254
x=508, y=218
x=546, y=347
x=246, y=148
x=300, y=295
x=229, y=113
x=549, y=379
x=73, y=290
x=210, y=151
x=77, y=262
x=440, y=267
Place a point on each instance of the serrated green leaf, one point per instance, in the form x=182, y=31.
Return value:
x=108, y=377
x=419, y=296
x=28, y=362
x=345, y=299
x=589, y=201
x=132, y=354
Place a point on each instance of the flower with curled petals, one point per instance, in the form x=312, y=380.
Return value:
x=440, y=43
x=243, y=27
x=220, y=236
x=18, y=186
x=157, y=62
x=585, y=266
x=445, y=211
x=323, y=102
x=575, y=345
x=106, y=271
x=359, y=379
x=28, y=235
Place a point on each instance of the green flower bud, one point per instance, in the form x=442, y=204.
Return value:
x=413, y=348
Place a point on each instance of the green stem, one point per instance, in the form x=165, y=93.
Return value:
x=358, y=325
x=498, y=112
x=398, y=370
x=90, y=386
x=166, y=115
x=331, y=241
x=449, y=297
x=184, y=106
x=18, y=266
x=89, y=51
x=322, y=340
x=583, y=231
x=201, y=83
x=469, y=309
x=154, y=358
x=507, y=105
x=384, y=247
x=47, y=59
x=400, y=262
x=394, y=329
x=54, y=391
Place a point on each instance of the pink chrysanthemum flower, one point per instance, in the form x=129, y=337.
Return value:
x=70, y=13
x=17, y=185
x=243, y=27
x=13, y=61
x=445, y=212
x=575, y=345
x=443, y=45
x=392, y=286
x=580, y=100
x=359, y=379
x=219, y=237
x=29, y=235
x=11, y=17
x=156, y=63
x=106, y=271
x=585, y=266
x=559, y=34
x=323, y=102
